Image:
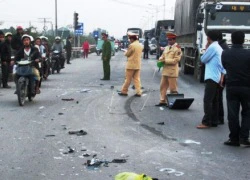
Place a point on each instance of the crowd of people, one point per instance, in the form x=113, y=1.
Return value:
x=224, y=66
x=15, y=47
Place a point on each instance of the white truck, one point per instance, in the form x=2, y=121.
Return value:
x=193, y=18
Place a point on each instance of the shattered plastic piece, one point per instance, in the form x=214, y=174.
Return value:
x=144, y=95
x=77, y=102
x=60, y=113
x=94, y=155
x=112, y=87
x=161, y=108
x=78, y=133
x=58, y=158
x=208, y=153
x=42, y=107
x=101, y=84
x=86, y=155
x=85, y=90
x=50, y=135
x=119, y=161
x=161, y=123
x=71, y=150
x=191, y=142
x=67, y=99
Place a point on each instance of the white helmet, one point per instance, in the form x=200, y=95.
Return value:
x=27, y=36
x=57, y=38
x=8, y=34
x=43, y=37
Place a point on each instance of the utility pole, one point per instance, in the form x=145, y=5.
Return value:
x=164, y=6
x=44, y=24
x=56, y=17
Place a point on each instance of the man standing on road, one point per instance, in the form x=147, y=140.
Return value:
x=68, y=49
x=145, y=49
x=237, y=64
x=6, y=60
x=16, y=42
x=213, y=76
x=133, y=66
x=170, y=58
x=106, y=56
x=224, y=46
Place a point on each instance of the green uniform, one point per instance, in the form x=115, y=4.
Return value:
x=106, y=56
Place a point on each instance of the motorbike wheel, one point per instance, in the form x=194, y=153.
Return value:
x=21, y=93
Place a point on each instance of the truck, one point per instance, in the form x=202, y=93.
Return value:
x=194, y=18
x=161, y=27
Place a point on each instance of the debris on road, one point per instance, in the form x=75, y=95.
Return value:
x=50, y=135
x=207, y=153
x=42, y=107
x=112, y=87
x=191, y=142
x=86, y=155
x=67, y=99
x=60, y=113
x=70, y=151
x=85, y=90
x=78, y=133
x=119, y=161
x=161, y=123
x=161, y=108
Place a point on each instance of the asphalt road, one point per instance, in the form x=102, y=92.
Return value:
x=35, y=141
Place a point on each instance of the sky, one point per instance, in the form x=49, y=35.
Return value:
x=113, y=15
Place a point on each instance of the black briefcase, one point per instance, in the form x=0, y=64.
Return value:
x=177, y=101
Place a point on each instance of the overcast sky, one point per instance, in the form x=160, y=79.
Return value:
x=113, y=15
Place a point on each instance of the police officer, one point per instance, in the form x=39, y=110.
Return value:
x=6, y=62
x=106, y=56
x=133, y=66
x=170, y=58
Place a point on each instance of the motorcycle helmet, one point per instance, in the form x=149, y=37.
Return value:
x=27, y=36
x=57, y=38
x=43, y=38
x=8, y=34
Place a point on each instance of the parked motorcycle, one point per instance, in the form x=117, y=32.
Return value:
x=55, y=62
x=25, y=81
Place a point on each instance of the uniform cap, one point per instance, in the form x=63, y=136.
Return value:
x=132, y=34
x=171, y=35
x=19, y=27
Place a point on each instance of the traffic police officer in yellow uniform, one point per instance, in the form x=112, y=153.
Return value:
x=170, y=59
x=133, y=66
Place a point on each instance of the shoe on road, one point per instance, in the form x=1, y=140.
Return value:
x=232, y=143
x=122, y=94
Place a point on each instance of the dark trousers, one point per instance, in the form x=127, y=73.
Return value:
x=68, y=56
x=210, y=103
x=5, y=73
x=145, y=54
x=236, y=97
x=106, y=69
x=85, y=53
x=221, y=107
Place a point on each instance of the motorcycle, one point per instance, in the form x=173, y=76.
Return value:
x=56, y=62
x=25, y=82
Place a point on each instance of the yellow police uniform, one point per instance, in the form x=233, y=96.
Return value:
x=170, y=57
x=133, y=67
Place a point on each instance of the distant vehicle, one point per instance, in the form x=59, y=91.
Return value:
x=135, y=30
x=194, y=18
x=162, y=26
